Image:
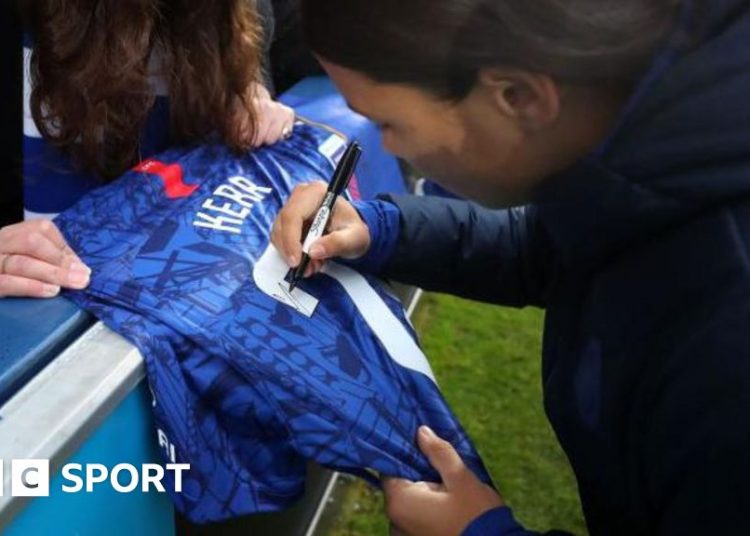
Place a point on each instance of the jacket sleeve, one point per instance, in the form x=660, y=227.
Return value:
x=496, y=522
x=458, y=247
x=500, y=522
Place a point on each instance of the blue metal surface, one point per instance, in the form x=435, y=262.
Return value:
x=32, y=332
x=127, y=436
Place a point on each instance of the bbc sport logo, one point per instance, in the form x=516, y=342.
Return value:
x=31, y=477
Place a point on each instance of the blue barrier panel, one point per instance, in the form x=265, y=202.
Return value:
x=127, y=436
x=32, y=333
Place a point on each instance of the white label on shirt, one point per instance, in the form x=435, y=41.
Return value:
x=389, y=330
x=333, y=148
x=269, y=273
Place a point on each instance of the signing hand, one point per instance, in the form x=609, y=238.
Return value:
x=35, y=261
x=348, y=235
x=424, y=508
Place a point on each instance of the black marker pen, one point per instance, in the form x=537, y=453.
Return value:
x=336, y=187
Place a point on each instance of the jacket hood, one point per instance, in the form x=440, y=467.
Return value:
x=680, y=147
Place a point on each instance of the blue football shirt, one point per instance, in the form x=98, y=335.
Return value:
x=249, y=381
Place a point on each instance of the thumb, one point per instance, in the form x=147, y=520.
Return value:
x=347, y=243
x=443, y=457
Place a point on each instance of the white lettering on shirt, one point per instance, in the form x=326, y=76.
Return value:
x=229, y=206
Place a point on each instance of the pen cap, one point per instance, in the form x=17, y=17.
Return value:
x=345, y=168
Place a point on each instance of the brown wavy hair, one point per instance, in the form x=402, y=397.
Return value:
x=90, y=73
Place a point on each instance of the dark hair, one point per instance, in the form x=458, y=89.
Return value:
x=91, y=91
x=441, y=45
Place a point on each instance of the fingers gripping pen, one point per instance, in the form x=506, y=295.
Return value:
x=339, y=182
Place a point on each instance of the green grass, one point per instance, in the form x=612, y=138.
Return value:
x=487, y=361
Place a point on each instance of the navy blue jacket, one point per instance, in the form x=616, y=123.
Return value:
x=640, y=254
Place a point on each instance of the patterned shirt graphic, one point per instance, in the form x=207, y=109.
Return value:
x=248, y=380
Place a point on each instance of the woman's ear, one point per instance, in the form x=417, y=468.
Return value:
x=532, y=100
